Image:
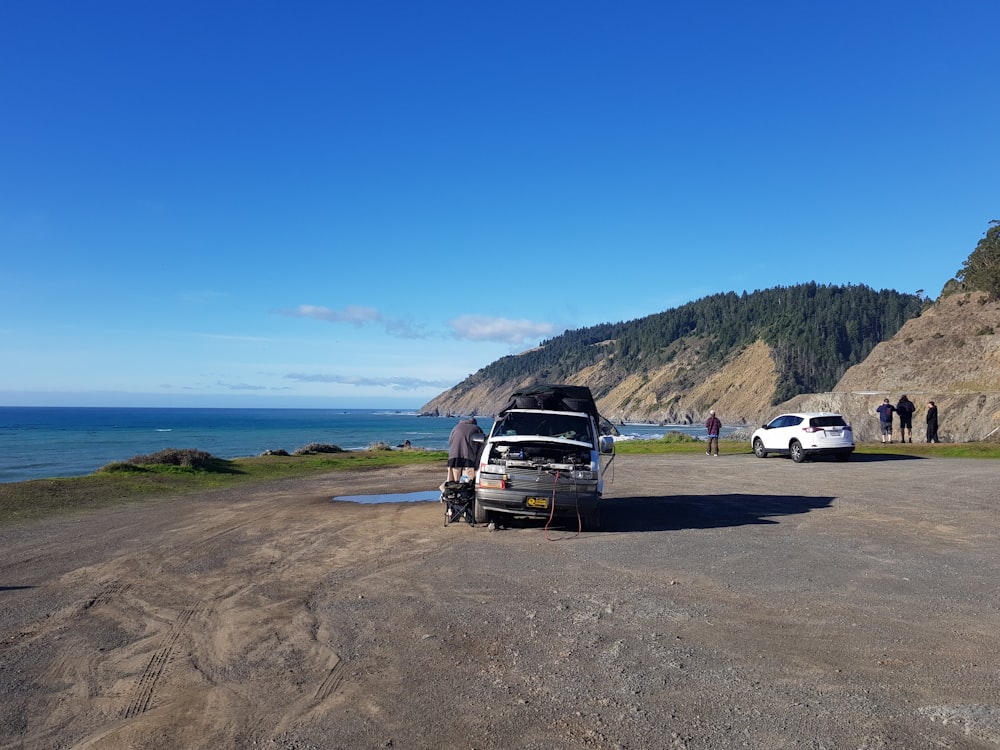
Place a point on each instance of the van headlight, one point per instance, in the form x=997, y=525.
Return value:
x=583, y=474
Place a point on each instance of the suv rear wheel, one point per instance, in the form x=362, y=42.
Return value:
x=795, y=449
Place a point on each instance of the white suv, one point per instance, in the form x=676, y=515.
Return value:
x=804, y=435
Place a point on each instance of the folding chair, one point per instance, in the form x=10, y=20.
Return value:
x=458, y=499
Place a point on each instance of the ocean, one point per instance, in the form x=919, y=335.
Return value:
x=45, y=442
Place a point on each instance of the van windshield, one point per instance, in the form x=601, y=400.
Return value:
x=566, y=426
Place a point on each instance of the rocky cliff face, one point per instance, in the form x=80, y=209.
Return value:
x=741, y=388
x=950, y=354
x=680, y=393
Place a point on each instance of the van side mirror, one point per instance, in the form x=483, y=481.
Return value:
x=607, y=444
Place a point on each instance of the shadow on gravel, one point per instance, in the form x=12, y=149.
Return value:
x=702, y=511
x=856, y=458
x=15, y=588
x=864, y=458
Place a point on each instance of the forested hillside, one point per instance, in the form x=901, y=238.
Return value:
x=815, y=331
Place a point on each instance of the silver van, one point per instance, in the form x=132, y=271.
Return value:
x=543, y=458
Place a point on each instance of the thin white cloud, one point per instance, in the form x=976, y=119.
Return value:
x=354, y=314
x=503, y=330
x=210, y=387
x=242, y=386
x=396, y=384
x=464, y=328
x=358, y=315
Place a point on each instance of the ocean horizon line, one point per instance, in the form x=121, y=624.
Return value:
x=59, y=441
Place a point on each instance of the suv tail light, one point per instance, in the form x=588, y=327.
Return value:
x=812, y=429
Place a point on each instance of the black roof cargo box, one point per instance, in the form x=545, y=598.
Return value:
x=555, y=398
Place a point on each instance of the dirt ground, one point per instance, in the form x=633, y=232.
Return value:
x=729, y=602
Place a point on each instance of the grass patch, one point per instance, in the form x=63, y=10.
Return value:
x=680, y=437
x=127, y=481
x=937, y=450
x=734, y=447
x=668, y=444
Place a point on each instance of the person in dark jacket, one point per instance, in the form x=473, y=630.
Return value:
x=885, y=420
x=932, y=423
x=905, y=409
x=712, y=428
x=463, y=449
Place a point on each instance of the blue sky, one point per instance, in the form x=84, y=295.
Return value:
x=329, y=204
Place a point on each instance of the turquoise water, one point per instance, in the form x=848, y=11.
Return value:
x=42, y=442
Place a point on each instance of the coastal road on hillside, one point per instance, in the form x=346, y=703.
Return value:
x=729, y=602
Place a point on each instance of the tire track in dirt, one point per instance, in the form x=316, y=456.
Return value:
x=248, y=620
x=331, y=682
x=145, y=686
x=108, y=592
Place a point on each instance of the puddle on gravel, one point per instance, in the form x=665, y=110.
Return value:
x=399, y=497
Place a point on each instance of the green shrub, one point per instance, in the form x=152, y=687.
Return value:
x=187, y=457
x=312, y=448
x=122, y=467
x=678, y=437
x=171, y=459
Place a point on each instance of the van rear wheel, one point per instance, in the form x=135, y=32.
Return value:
x=479, y=513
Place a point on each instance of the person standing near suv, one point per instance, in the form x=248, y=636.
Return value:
x=905, y=408
x=712, y=428
x=885, y=412
x=932, y=422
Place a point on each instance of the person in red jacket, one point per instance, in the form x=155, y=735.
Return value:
x=712, y=428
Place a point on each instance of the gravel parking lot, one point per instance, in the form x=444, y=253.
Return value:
x=729, y=602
